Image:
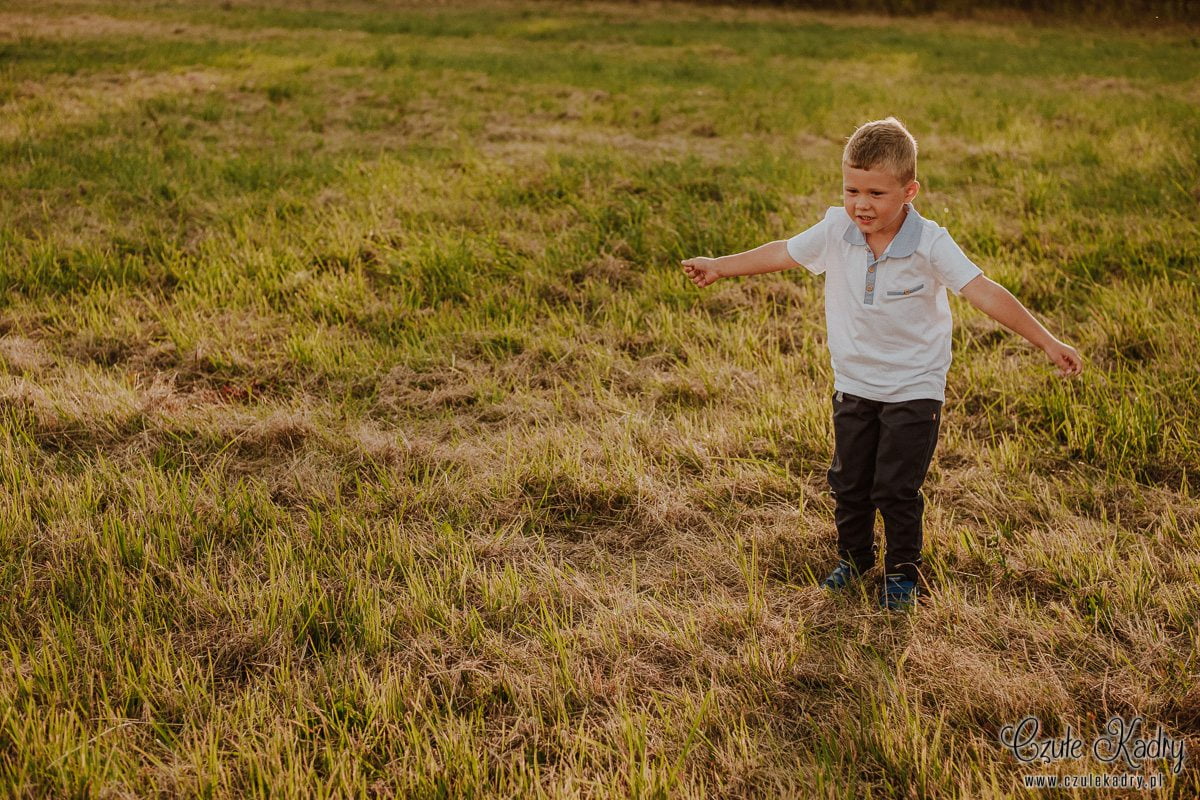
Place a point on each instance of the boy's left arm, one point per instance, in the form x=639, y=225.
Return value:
x=998, y=303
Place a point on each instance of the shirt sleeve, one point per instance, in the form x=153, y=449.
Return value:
x=951, y=264
x=810, y=247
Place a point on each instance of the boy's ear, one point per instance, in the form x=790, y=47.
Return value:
x=911, y=190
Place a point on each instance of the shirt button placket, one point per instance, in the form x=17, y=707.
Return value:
x=869, y=296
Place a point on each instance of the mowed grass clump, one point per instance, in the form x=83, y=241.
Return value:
x=359, y=434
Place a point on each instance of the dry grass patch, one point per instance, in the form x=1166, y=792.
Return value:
x=47, y=106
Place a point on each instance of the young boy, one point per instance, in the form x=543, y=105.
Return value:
x=888, y=320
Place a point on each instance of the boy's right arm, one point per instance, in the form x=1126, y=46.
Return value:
x=770, y=257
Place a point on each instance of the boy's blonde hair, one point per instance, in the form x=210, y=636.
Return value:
x=883, y=144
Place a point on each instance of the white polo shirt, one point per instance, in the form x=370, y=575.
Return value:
x=888, y=319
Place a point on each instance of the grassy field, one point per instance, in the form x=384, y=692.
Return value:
x=360, y=435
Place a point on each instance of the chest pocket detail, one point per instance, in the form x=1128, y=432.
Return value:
x=907, y=292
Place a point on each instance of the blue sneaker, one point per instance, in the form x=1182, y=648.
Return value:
x=842, y=574
x=899, y=593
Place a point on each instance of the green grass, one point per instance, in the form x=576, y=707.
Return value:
x=360, y=436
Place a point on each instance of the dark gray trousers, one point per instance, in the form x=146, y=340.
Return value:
x=881, y=454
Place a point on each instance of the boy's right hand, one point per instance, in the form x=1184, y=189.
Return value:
x=701, y=271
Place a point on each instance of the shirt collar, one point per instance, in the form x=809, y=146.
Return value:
x=907, y=238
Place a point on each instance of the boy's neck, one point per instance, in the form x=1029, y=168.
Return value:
x=879, y=240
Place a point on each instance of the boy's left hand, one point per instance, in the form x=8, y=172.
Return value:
x=1065, y=357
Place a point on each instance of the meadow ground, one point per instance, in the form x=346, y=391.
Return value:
x=360, y=435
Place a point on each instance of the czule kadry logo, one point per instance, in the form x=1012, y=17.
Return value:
x=1118, y=743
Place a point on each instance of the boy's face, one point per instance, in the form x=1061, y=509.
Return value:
x=875, y=199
